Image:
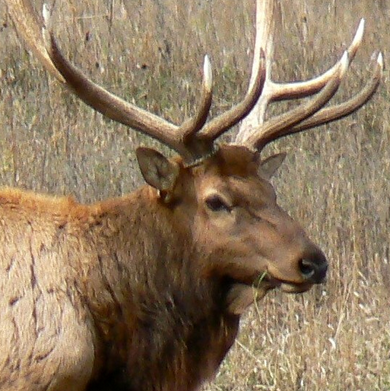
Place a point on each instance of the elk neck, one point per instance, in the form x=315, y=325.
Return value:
x=147, y=295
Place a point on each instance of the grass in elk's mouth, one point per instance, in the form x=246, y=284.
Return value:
x=259, y=280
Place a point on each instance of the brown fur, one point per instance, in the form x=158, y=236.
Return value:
x=135, y=293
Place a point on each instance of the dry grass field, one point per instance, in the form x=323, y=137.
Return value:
x=335, y=180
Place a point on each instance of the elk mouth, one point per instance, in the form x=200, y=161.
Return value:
x=241, y=294
x=268, y=282
x=311, y=270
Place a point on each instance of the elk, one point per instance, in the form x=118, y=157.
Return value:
x=145, y=292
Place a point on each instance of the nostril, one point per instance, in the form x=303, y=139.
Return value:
x=307, y=269
x=313, y=269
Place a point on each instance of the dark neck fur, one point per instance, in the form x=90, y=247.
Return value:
x=163, y=323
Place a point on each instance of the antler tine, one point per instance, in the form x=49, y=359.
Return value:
x=225, y=121
x=278, y=126
x=265, y=26
x=285, y=91
x=262, y=57
x=194, y=124
x=333, y=113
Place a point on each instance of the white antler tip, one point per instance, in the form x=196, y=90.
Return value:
x=359, y=32
x=344, y=63
x=380, y=59
x=207, y=71
x=46, y=14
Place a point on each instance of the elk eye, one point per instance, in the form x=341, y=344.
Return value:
x=217, y=204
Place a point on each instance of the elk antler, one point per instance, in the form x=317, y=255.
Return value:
x=256, y=133
x=194, y=139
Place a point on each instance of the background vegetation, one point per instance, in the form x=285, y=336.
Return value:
x=335, y=181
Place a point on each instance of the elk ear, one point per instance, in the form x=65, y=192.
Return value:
x=270, y=165
x=158, y=171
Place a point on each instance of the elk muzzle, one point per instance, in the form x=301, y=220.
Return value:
x=308, y=267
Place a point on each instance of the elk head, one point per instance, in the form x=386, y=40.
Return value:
x=245, y=238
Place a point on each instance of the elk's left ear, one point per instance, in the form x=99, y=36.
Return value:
x=270, y=165
x=158, y=171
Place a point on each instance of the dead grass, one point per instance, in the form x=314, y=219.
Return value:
x=335, y=182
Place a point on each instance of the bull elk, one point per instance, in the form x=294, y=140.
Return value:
x=145, y=292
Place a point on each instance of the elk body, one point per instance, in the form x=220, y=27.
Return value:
x=145, y=292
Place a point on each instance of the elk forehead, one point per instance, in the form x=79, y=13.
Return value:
x=233, y=160
x=234, y=175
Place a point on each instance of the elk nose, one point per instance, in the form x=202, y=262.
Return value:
x=313, y=268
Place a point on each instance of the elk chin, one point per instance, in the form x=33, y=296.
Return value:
x=241, y=296
x=295, y=288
